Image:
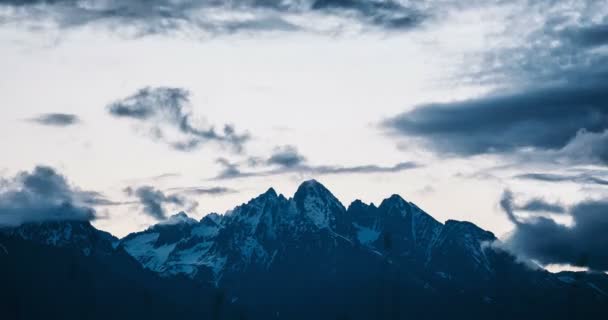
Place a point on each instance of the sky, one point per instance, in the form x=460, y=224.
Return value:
x=495, y=112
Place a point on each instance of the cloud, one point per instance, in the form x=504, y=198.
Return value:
x=287, y=156
x=143, y=17
x=586, y=147
x=44, y=195
x=229, y=169
x=506, y=203
x=232, y=170
x=550, y=177
x=154, y=201
x=565, y=118
x=549, y=72
x=541, y=205
x=199, y=191
x=386, y=14
x=583, y=244
x=370, y=168
x=591, y=36
x=546, y=43
x=56, y=119
x=165, y=113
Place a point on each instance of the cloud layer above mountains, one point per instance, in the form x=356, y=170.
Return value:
x=165, y=114
x=287, y=159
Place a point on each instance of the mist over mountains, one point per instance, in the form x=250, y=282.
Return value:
x=304, y=257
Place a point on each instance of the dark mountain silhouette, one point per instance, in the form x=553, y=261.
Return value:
x=70, y=270
x=306, y=257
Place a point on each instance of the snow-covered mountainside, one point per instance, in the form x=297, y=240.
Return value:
x=270, y=227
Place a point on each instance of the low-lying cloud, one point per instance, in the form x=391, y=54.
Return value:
x=45, y=195
x=543, y=239
x=154, y=201
x=165, y=114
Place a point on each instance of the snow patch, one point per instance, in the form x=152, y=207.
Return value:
x=142, y=248
x=215, y=263
x=316, y=210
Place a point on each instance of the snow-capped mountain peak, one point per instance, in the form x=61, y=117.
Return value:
x=318, y=204
x=270, y=228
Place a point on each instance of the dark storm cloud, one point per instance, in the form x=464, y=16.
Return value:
x=56, y=119
x=542, y=118
x=165, y=113
x=43, y=195
x=552, y=96
x=588, y=36
x=541, y=205
x=549, y=177
x=582, y=244
x=154, y=201
x=160, y=16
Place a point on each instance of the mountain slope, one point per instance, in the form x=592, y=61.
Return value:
x=47, y=271
x=310, y=257
x=306, y=257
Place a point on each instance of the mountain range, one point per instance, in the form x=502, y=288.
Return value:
x=304, y=257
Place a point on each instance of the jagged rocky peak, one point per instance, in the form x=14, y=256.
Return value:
x=468, y=228
x=270, y=193
x=309, y=186
x=318, y=204
x=314, y=189
x=395, y=201
x=179, y=218
x=358, y=205
x=211, y=219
